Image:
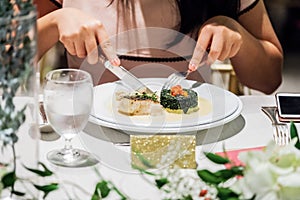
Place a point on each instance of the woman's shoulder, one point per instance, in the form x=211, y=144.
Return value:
x=58, y=3
x=246, y=5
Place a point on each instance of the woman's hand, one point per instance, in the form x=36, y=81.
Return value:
x=218, y=36
x=81, y=34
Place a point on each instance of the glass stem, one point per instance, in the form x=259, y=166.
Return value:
x=68, y=144
x=68, y=153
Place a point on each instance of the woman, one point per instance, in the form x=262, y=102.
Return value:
x=239, y=30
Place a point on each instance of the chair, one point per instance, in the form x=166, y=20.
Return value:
x=223, y=75
x=53, y=59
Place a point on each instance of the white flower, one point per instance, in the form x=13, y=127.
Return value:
x=273, y=173
x=183, y=183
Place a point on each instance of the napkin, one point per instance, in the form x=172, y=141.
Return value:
x=159, y=151
x=233, y=154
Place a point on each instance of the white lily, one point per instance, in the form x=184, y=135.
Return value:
x=273, y=173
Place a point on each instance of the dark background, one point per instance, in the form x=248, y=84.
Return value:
x=285, y=17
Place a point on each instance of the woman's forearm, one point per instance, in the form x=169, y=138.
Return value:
x=79, y=32
x=48, y=34
x=258, y=64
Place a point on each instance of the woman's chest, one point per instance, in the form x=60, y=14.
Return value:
x=118, y=17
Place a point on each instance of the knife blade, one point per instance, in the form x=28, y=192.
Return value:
x=127, y=78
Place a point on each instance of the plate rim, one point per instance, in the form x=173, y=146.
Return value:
x=138, y=129
x=170, y=129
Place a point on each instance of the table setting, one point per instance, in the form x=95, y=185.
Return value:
x=191, y=140
x=238, y=126
x=245, y=129
x=105, y=153
x=253, y=131
x=114, y=154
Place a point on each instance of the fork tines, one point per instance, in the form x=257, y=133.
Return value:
x=175, y=79
x=281, y=134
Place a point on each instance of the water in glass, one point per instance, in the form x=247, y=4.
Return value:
x=68, y=96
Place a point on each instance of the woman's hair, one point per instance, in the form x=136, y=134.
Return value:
x=195, y=12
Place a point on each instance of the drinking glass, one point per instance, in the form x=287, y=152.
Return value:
x=68, y=97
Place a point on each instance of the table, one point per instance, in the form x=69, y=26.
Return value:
x=256, y=132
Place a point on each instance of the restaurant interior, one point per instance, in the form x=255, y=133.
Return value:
x=234, y=147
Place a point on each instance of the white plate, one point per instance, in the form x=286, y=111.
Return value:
x=217, y=106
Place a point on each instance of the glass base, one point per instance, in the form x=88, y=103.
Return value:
x=9, y=198
x=70, y=158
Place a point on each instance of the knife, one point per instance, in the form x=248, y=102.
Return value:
x=127, y=78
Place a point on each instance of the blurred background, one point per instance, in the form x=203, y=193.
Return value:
x=285, y=16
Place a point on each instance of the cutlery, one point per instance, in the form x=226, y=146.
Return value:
x=122, y=144
x=195, y=85
x=127, y=78
x=45, y=127
x=280, y=130
x=177, y=77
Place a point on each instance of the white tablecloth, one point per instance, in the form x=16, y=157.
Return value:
x=256, y=132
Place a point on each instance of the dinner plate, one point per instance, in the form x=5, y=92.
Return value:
x=216, y=106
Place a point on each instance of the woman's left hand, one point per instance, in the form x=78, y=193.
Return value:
x=220, y=35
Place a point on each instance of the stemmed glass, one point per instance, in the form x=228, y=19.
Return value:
x=68, y=97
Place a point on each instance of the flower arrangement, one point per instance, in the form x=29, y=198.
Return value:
x=17, y=77
x=272, y=173
x=15, y=64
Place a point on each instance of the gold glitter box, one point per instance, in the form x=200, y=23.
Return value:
x=160, y=151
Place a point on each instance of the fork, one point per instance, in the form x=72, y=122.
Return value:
x=175, y=79
x=280, y=130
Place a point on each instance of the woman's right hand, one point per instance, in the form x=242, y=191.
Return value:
x=221, y=36
x=81, y=34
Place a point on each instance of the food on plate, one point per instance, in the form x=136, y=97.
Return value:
x=175, y=100
x=138, y=103
x=179, y=100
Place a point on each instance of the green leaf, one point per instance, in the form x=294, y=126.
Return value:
x=96, y=195
x=216, y=158
x=44, y=173
x=294, y=134
x=225, y=174
x=227, y=194
x=47, y=188
x=221, y=175
x=101, y=191
x=208, y=177
x=231, y=198
x=161, y=182
x=18, y=193
x=9, y=179
x=238, y=170
x=145, y=162
x=142, y=170
x=189, y=197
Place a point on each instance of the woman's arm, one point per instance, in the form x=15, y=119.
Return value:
x=250, y=43
x=45, y=6
x=77, y=31
x=47, y=33
x=259, y=62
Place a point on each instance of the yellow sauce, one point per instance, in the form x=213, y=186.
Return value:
x=205, y=107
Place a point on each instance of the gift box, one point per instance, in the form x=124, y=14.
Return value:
x=160, y=151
